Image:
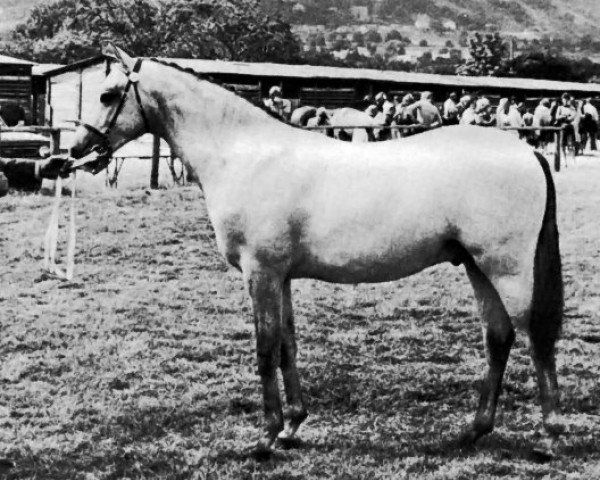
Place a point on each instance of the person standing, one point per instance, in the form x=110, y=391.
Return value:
x=589, y=124
x=469, y=116
x=502, y=113
x=425, y=113
x=564, y=117
x=277, y=104
x=450, y=110
x=542, y=117
x=402, y=116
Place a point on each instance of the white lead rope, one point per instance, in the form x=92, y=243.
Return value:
x=51, y=238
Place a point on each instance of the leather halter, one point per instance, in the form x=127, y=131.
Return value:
x=132, y=81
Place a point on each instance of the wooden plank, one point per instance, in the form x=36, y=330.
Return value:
x=155, y=162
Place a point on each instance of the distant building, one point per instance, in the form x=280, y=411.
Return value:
x=449, y=25
x=363, y=51
x=360, y=13
x=299, y=8
x=341, y=54
x=423, y=21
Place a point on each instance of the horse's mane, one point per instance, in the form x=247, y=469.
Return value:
x=211, y=79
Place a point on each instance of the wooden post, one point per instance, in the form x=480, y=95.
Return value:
x=155, y=162
x=55, y=141
x=49, y=113
x=559, y=141
x=80, y=95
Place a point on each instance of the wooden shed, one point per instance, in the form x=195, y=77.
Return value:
x=72, y=90
x=16, y=86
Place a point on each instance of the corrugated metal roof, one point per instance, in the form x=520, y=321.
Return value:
x=43, y=68
x=313, y=72
x=5, y=59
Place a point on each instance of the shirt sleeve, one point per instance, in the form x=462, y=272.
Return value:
x=14, y=167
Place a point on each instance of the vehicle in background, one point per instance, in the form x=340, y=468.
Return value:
x=23, y=145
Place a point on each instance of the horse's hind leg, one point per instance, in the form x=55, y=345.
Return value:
x=296, y=411
x=498, y=336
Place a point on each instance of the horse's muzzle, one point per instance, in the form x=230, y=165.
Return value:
x=95, y=161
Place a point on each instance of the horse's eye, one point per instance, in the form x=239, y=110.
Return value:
x=108, y=97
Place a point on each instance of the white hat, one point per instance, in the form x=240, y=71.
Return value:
x=274, y=90
x=372, y=110
x=482, y=104
x=380, y=96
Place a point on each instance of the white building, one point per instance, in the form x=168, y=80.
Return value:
x=360, y=13
x=423, y=21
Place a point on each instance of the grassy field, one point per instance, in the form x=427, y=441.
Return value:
x=144, y=367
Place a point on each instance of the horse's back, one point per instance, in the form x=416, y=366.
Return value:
x=301, y=115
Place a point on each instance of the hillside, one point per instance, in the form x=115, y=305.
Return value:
x=13, y=12
x=554, y=17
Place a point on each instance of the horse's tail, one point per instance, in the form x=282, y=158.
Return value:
x=547, y=302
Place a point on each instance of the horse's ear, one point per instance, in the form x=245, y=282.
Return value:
x=120, y=55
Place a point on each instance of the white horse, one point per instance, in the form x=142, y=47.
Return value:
x=287, y=203
x=347, y=117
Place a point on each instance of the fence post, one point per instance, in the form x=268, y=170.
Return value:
x=55, y=141
x=559, y=141
x=155, y=162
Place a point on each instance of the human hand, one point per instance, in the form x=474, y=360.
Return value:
x=54, y=166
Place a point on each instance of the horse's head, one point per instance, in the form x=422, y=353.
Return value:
x=120, y=117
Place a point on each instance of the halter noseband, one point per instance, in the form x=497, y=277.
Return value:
x=132, y=80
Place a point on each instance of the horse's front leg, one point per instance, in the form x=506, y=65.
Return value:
x=266, y=291
x=296, y=412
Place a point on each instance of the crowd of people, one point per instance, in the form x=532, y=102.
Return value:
x=579, y=118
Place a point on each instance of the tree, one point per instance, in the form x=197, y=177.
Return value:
x=373, y=36
x=69, y=30
x=393, y=35
x=488, y=57
x=358, y=38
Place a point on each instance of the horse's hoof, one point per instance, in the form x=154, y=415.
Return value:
x=555, y=425
x=262, y=451
x=288, y=443
x=468, y=438
x=545, y=450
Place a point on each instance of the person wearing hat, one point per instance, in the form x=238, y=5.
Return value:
x=469, y=116
x=277, y=104
x=483, y=112
x=402, y=116
x=463, y=104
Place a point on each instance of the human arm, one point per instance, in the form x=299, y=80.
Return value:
x=50, y=167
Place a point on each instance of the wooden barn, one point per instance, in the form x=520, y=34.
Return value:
x=72, y=91
x=16, y=89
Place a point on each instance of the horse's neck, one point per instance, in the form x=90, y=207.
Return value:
x=208, y=127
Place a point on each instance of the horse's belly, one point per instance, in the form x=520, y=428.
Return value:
x=370, y=262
